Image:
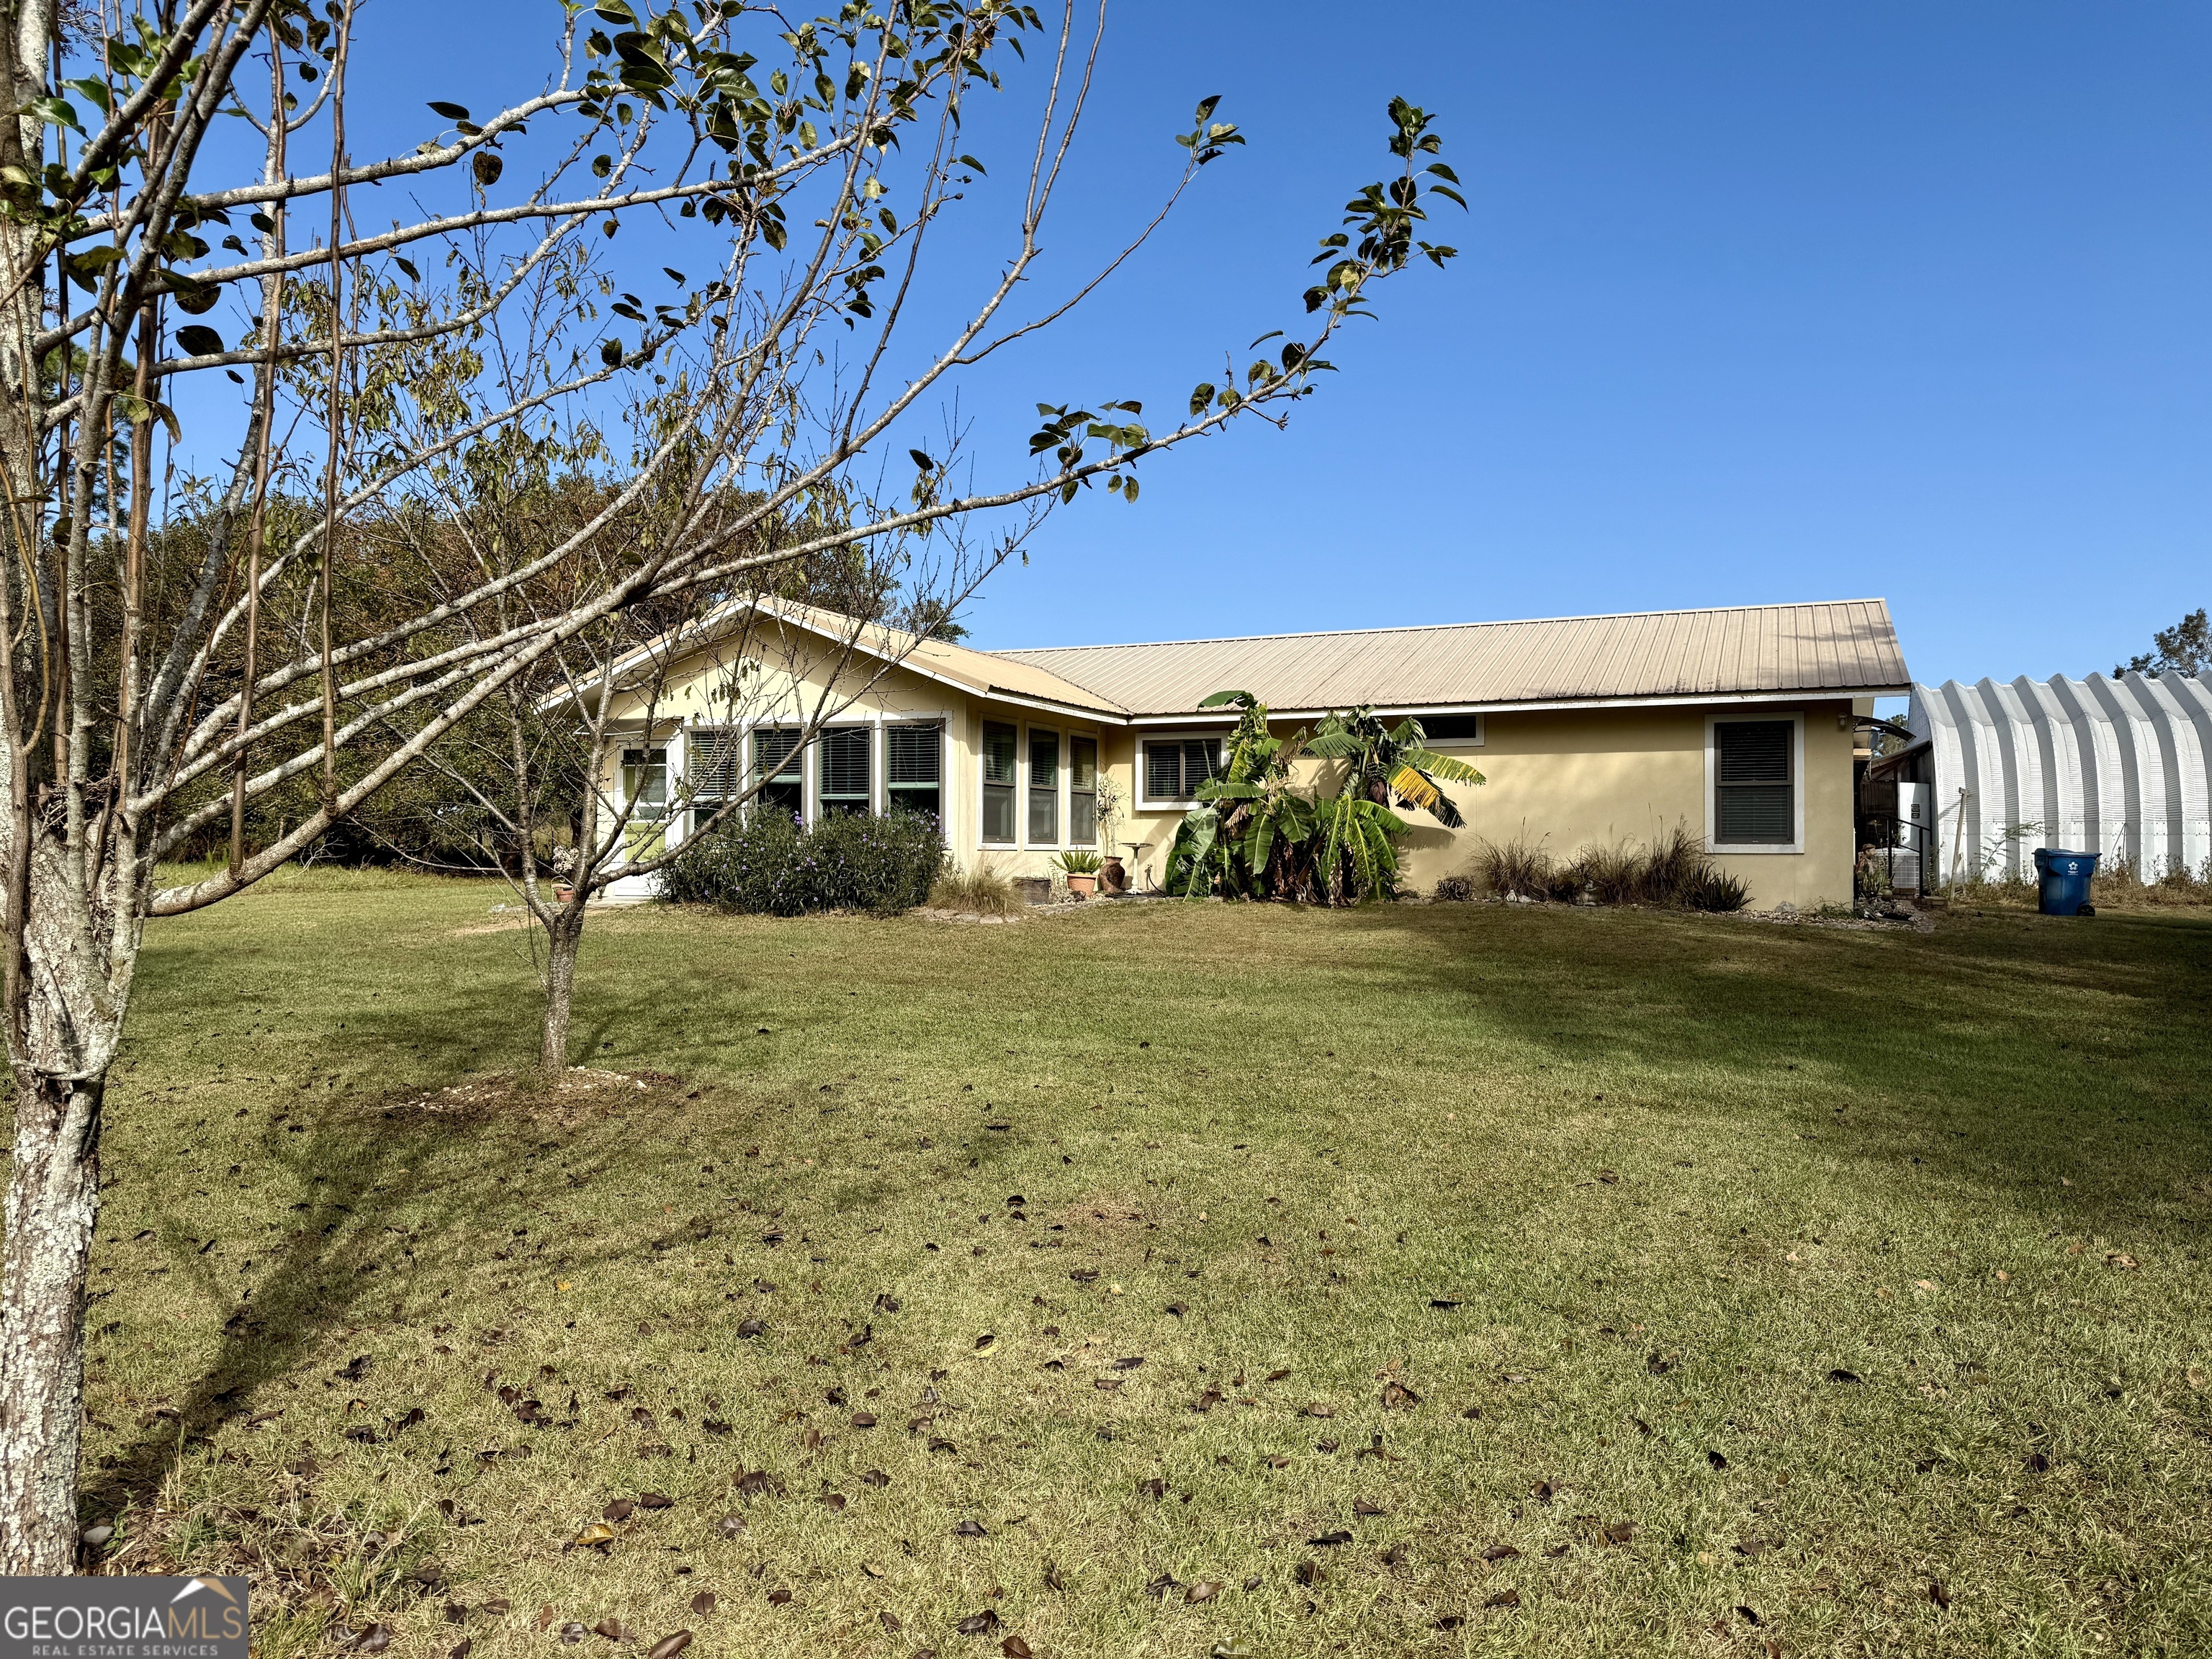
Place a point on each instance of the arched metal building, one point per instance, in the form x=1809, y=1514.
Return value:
x=2121, y=767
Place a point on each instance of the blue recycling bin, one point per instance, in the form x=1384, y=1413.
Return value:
x=2064, y=880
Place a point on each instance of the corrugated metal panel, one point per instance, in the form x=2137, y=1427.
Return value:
x=1846, y=646
x=2121, y=767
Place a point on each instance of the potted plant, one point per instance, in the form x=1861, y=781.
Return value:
x=1111, y=875
x=1081, y=869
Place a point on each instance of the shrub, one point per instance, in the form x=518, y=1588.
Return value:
x=767, y=865
x=1516, y=866
x=982, y=889
x=1672, y=873
x=1455, y=890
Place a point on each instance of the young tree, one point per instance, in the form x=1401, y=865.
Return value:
x=804, y=167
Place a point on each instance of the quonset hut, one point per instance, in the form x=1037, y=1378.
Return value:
x=2115, y=766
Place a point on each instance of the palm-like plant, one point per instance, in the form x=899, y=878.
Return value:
x=1245, y=833
x=1393, y=763
x=1254, y=835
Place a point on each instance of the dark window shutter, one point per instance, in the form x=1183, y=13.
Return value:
x=1755, y=797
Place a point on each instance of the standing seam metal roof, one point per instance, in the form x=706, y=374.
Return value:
x=1842, y=648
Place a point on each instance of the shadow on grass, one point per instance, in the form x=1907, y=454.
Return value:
x=372, y=1244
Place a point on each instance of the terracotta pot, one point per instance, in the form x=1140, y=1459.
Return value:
x=1112, y=878
x=1083, y=882
x=563, y=893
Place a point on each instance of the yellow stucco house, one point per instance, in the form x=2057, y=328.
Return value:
x=1739, y=723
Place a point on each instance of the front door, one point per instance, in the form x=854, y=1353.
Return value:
x=645, y=788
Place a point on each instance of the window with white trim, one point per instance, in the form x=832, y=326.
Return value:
x=1082, y=791
x=777, y=760
x=913, y=768
x=1001, y=751
x=1755, y=783
x=713, y=766
x=1044, y=787
x=1452, y=731
x=843, y=772
x=1173, y=768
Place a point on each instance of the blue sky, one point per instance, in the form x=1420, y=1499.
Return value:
x=1754, y=303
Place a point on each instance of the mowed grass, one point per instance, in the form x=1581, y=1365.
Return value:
x=1758, y=1288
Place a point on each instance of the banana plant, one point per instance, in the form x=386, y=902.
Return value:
x=1389, y=764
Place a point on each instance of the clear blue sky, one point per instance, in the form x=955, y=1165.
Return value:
x=1755, y=303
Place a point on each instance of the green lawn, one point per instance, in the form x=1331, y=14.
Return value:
x=1746, y=1280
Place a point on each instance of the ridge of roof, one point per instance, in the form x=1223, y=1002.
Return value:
x=1025, y=651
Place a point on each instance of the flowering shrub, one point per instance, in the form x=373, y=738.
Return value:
x=766, y=864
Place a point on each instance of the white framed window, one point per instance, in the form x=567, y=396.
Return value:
x=1000, y=756
x=844, y=770
x=1082, y=791
x=913, y=768
x=1452, y=731
x=1755, y=783
x=780, y=765
x=1171, y=768
x=713, y=769
x=1042, y=818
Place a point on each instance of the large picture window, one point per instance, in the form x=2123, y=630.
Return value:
x=844, y=770
x=1175, y=767
x=776, y=761
x=1755, y=783
x=1044, y=788
x=999, y=750
x=913, y=768
x=1083, y=792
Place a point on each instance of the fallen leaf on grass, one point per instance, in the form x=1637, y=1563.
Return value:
x=1450, y=1621
x=1504, y=1598
x=731, y=1525
x=1397, y=1397
x=1839, y=1374
x=614, y=1630
x=1717, y=1459
x=1129, y=1364
x=1205, y=1591
x=1367, y=1506
x=1500, y=1553
x=703, y=1603
x=1325, y=1539
x=1308, y=1573
x=1753, y=1618
x=1939, y=1592
x=571, y=1633
x=1316, y=1409
x=970, y=1529
x=1620, y=1532
x=1014, y=1648
x=875, y=1477
x=1443, y=1302
x=597, y=1536
x=984, y=1623
x=670, y=1646
x=460, y=1649
x=778, y=1596
x=890, y=1622
x=1277, y=1376
x=1053, y=1580
x=1156, y=1489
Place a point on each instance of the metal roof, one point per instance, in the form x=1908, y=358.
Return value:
x=1846, y=648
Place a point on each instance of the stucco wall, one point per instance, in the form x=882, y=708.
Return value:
x=1569, y=778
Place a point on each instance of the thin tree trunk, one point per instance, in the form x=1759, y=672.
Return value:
x=54, y=1204
x=564, y=935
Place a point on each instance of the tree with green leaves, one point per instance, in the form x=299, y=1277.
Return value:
x=2184, y=649
x=799, y=169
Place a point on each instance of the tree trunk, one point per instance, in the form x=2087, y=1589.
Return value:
x=53, y=1204
x=564, y=935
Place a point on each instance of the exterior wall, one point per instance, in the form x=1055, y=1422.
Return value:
x=1569, y=779
x=1566, y=778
